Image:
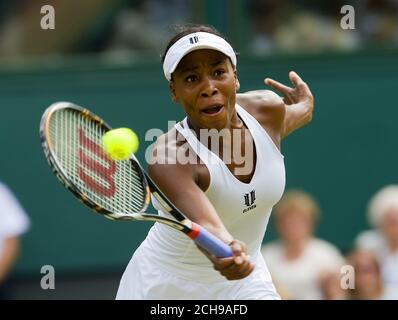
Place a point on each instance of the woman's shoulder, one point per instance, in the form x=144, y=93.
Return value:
x=267, y=108
x=260, y=102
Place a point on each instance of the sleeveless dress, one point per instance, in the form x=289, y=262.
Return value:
x=168, y=265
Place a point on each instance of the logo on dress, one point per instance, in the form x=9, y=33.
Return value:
x=249, y=199
x=194, y=39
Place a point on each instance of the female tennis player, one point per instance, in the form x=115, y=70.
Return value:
x=222, y=167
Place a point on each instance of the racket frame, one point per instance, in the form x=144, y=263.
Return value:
x=200, y=235
x=182, y=224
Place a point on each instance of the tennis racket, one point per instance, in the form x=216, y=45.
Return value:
x=120, y=190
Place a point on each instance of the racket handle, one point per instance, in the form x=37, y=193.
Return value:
x=208, y=241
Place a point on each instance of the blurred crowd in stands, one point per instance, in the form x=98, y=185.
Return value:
x=306, y=267
x=310, y=25
x=141, y=27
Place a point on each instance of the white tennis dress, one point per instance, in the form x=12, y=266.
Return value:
x=168, y=265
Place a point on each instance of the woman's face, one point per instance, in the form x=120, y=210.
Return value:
x=294, y=224
x=205, y=84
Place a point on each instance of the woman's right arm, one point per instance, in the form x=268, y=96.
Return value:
x=177, y=182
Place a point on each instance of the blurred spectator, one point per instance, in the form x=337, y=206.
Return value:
x=13, y=223
x=121, y=27
x=264, y=17
x=368, y=281
x=311, y=25
x=311, y=31
x=383, y=240
x=154, y=17
x=379, y=21
x=21, y=34
x=297, y=260
x=298, y=26
x=127, y=35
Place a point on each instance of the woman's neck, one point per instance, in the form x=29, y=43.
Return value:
x=234, y=123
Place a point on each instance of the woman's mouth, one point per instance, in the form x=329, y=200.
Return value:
x=213, y=110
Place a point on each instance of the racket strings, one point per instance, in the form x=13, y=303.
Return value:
x=114, y=185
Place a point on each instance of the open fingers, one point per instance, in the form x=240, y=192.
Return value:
x=286, y=91
x=294, y=78
x=299, y=83
x=277, y=86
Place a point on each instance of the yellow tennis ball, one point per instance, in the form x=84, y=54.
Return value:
x=120, y=143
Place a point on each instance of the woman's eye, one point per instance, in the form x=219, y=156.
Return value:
x=219, y=72
x=190, y=78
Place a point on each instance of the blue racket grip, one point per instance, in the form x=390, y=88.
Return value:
x=211, y=243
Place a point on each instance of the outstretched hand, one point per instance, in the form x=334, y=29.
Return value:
x=300, y=93
x=299, y=102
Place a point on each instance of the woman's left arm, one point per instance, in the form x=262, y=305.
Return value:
x=299, y=103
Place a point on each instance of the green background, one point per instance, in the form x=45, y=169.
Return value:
x=346, y=154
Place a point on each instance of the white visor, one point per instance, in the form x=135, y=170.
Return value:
x=191, y=42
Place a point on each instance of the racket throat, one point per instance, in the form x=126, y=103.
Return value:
x=195, y=231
